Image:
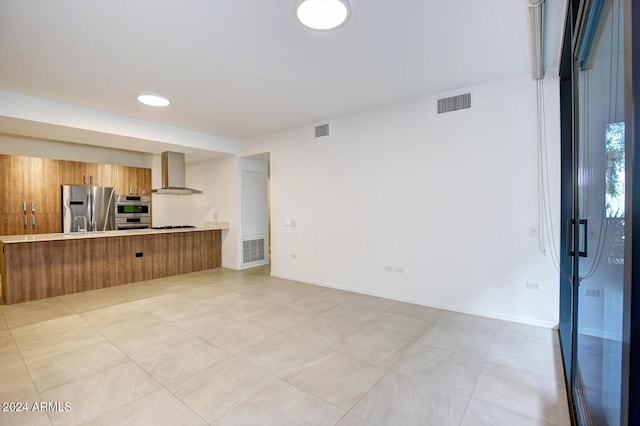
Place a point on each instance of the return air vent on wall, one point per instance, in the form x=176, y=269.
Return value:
x=322, y=130
x=253, y=251
x=454, y=103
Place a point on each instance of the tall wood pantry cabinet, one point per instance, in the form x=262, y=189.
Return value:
x=29, y=195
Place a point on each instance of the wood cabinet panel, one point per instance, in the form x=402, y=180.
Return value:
x=122, y=180
x=44, y=189
x=73, y=173
x=12, y=224
x=81, y=173
x=34, y=270
x=14, y=184
x=29, y=187
x=18, y=261
x=133, y=181
x=21, y=224
x=102, y=174
x=45, y=223
x=143, y=181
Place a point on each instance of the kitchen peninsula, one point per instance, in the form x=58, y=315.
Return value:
x=47, y=265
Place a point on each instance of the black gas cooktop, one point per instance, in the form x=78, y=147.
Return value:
x=173, y=227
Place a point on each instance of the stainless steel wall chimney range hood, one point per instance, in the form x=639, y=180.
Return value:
x=173, y=175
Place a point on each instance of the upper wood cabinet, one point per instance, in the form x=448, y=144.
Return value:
x=81, y=173
x=133, y=181
x=29, y=195
x=14, y=171
x=44, y=188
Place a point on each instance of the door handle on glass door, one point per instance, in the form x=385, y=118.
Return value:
x=583, y=253
x=569, y=248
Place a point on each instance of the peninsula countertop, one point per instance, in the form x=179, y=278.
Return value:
x=8, y=239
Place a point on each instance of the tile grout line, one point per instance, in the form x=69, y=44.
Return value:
x=162, y=386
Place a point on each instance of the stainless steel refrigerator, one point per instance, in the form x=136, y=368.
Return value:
x=87, y=208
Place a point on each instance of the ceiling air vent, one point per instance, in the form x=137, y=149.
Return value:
x=322, y=130
x=454, y=103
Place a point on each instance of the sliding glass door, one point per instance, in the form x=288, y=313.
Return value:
x=600, y=213
x=592, y=322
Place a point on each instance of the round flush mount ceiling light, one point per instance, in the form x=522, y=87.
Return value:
x=154, y=100
x=323, y=15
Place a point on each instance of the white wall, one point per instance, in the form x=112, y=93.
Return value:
x=219, y=201
x=15, y=145
x=446, y=199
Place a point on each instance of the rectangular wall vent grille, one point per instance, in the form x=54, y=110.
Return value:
x=252, y=251
x=454, y=103
x=322, y=130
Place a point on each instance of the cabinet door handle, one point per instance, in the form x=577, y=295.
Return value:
x=33, y=206
x=91, y=179
x=33, y=220
x=24, y=206
x=25, y=220
x=84, y=179
x=136, y=190
x=131, y=190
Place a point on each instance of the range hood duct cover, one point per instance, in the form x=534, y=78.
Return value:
x=173, y=175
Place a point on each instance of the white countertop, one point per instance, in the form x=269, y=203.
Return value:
x=102, y=234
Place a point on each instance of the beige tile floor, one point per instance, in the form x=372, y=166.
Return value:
x=224, y=347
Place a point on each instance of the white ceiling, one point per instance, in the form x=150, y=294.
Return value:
x=238, y=68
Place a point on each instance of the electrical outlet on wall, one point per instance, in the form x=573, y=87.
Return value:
x=594, y=292
x=533, y=286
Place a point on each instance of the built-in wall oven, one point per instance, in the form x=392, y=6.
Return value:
x=133, y=212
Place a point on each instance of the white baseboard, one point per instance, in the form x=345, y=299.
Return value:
x=494, y=315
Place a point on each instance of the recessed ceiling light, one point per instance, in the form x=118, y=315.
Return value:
x=323, y=14
x=154, y=100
